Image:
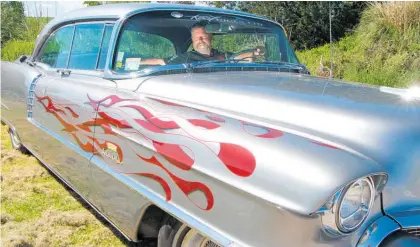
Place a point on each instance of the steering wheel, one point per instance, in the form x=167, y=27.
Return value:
x=234, y=56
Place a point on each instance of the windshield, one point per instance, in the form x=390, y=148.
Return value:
x=165, y=38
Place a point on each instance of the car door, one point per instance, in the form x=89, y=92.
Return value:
x=69, y=61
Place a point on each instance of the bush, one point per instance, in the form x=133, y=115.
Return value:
x=383, y=50
x=25, y=42
x=15, y=48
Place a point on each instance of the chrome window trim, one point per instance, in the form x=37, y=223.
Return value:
x=100, y=47
x=102, y=42
x=71, y=46
x=108, y=71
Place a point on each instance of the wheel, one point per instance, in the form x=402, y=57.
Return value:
x=15, y=141
x=187, y=237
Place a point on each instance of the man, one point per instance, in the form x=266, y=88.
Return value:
x=203, y=51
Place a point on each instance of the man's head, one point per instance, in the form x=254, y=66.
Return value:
x=201, y=39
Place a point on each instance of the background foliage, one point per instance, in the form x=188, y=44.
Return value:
x=383, y=50
x=307, y=23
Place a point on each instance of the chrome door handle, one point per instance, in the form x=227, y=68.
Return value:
x=63, y=72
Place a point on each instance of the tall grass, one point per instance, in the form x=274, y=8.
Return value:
x=15, y=48
x=383, y=50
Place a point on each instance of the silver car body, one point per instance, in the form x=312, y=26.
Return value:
x=246, y=158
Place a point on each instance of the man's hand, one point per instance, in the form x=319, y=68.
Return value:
x=259, y=51
x=250, y=56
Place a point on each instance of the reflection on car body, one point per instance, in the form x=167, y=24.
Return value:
x=231, y=151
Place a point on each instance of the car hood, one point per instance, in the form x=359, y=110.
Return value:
x=335, y=132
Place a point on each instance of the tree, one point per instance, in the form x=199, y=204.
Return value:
x=307, y=23
x=12, y=21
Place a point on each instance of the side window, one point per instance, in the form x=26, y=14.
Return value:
x=135, y=46
x=85, y=49
x=56, y=49
x=104, y=47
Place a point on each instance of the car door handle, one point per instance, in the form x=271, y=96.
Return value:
x=63, y=72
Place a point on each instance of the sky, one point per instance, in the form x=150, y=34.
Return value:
x=50, y=8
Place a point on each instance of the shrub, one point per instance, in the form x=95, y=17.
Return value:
x=15, y=48
x=383, y=50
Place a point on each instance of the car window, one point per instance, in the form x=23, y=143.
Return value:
x=149, y=40
x=104, y=47
x=85, y=49
x=56, y=49
x=133, y=46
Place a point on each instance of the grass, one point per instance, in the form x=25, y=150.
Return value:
x=37, y=210
x=383, y=50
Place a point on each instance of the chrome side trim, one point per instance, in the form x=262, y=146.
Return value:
x=377, y=232
x=31, y=94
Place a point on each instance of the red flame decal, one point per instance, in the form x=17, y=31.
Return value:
x=237, y=159
x=114, y=99
x=113, y=121
x=186, y=187
x=74, y=114
x=161, y=181
x=175, y=154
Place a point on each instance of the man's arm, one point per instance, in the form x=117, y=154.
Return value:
x=153, y=61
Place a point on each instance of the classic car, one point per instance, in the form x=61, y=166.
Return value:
x=239, y=146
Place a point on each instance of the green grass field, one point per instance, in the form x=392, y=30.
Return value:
x=37, y=210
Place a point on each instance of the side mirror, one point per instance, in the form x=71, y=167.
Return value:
x=22, y=58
